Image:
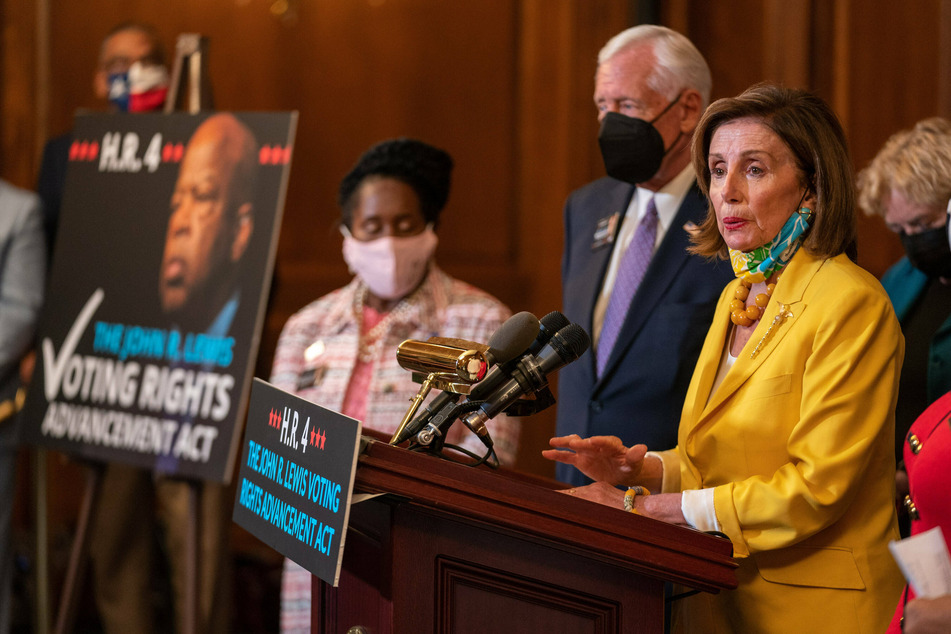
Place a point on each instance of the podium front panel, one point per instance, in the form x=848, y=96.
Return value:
x=410, y=569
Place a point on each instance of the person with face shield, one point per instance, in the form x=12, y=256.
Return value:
x=908, y=184
x=627, y=277
x=340, y=350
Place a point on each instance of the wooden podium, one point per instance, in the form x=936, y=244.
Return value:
x=451, y=549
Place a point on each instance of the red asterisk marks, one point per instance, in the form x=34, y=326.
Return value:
x=274, y=155
x=173, y=152
x=318, y=438
x=274, y=419
x=88, y=151
x=84, y=150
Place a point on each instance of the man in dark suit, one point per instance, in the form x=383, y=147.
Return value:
x=651, y=88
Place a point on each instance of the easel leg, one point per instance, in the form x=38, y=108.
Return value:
x=41, y=607
x=78, y=556
x=193, y=558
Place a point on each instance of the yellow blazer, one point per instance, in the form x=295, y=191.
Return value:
x=797, y=444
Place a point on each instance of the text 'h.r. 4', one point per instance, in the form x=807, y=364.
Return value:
x=288, y=422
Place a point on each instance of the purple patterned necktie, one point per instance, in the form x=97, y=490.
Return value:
x=629, y=274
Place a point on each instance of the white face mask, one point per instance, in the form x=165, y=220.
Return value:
x=390, y=267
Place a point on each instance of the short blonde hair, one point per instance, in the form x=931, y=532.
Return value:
x=915, y=162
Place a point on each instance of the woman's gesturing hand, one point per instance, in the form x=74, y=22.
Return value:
x=601, y=458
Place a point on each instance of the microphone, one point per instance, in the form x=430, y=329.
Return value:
x=529, y=375
x=507, y=342
x=437, y=413
x=549, y=325
x=424, y=356
x=511, y=338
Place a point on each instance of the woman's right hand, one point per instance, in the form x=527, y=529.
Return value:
x=923, y=616
x=601, y=458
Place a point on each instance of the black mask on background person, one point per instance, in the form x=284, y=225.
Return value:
x=632, y=148
x=929, y=252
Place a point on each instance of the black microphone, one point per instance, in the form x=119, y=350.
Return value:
x=550, y=324
x=547, y=327
x=509, y=339
x=530, y=375
x=507, y=342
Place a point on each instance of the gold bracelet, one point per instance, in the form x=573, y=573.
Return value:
x=630, y=494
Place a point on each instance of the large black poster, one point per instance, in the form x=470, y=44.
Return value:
x=158, y=287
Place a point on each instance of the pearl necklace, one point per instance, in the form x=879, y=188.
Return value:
x=743, y=315
x=370, y=343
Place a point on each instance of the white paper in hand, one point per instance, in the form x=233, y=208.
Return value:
x=924, y=561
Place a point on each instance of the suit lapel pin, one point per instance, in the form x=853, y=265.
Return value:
x=605, y=232
x=314, y=374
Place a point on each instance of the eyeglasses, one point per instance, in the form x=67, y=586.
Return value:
x=121, y=64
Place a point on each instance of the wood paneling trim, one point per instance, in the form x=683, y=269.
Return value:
x=42, y=77
x=841, y=80
x=786, y=36
x=944, y=59
x=17, y=92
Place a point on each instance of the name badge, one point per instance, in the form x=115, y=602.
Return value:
x=311, y=378
x=605, y=231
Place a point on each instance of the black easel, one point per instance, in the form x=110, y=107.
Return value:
x=191, y=71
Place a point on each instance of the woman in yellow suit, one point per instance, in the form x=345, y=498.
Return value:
x=785, y=440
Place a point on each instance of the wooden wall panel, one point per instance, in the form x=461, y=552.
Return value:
x=18, y=90
x=892, y=82
x=730, y=40
x=558, y=152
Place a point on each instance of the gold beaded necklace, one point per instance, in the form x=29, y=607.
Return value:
x=370, y=342
x=742, y=314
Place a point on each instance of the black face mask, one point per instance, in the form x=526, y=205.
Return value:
x=928, y=251
x=632, y=148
